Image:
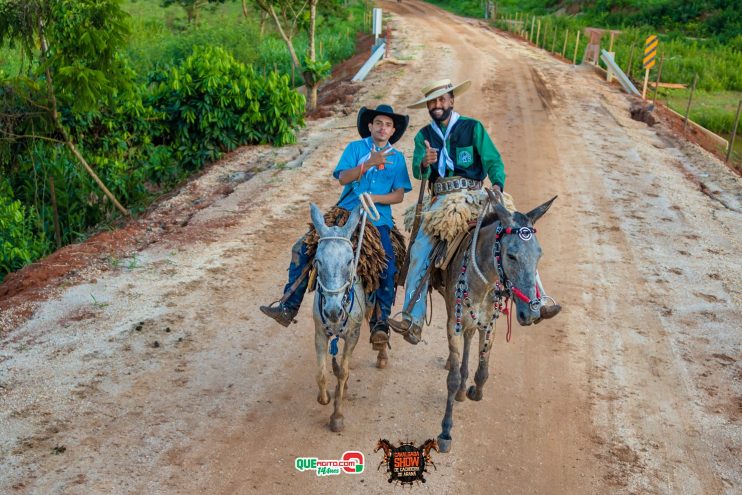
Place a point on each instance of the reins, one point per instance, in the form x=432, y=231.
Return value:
x=369, y=211
x=501, y=293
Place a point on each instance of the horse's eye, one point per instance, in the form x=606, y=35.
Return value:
x=512, y=257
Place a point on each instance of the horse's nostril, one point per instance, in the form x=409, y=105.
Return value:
x=521, y=316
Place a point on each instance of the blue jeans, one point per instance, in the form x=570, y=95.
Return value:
x=387, y=290
x=419, y=261
x=385, y=294
x=299, y=260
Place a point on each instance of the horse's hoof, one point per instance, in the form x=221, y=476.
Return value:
x=336, y=424
x=381, y=363
x=461, y=395
x=324, y=400
x=472, y=393
x=447, y=366
x=444, y=444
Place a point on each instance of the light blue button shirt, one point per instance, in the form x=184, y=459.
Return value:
x=374, y=181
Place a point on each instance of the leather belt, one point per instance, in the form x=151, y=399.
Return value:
x=452, y=184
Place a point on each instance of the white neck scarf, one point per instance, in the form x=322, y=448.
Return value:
x=444, y=161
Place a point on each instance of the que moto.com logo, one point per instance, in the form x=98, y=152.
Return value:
x=351, y=462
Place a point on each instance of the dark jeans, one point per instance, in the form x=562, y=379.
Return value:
x=385, y=294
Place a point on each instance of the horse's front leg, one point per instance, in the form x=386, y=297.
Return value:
x=480, y=377
x=453, y=381
x=320, y=347
x=342, y=372
x=461, y=392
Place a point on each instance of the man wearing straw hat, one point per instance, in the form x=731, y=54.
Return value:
x=369, y=165
x=454, y=153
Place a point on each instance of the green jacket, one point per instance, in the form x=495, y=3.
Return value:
x=470, y=148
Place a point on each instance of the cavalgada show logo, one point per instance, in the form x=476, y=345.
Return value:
x=351, y=462
x=406, y=464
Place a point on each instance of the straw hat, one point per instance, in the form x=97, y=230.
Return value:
x=366, y=116
x=438, y=88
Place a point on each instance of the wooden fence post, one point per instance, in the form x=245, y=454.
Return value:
x=566, y=37
x=533, y=24
x=659, y=75
x=690, y=99
x=734, y=132
x=538, y=31
x=553, y=43
x=577, y=44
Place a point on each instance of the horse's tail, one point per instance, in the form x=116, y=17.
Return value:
x=335, y=367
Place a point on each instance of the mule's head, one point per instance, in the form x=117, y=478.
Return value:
x=334, y=262
x=519, y=252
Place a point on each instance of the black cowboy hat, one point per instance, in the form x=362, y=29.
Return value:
x=366, y=116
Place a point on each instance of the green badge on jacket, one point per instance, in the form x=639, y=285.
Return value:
x=464, y=156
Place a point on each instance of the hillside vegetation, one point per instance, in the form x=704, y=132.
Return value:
x=143, y=93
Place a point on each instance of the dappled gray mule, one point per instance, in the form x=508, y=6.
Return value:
x=340, y=306
x=499, y=263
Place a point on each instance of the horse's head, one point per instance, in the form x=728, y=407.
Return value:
x=430, y=444
x=513, y=235
x=383, y=443
x=334, y=262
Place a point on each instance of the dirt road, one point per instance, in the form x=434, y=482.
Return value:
x=160, y=375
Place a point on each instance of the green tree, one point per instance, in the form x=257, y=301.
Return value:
x=289, y=18
x=72, y=45
x=191, y=7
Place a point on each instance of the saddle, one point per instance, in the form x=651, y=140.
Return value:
x=440, y=257
x=372, y=260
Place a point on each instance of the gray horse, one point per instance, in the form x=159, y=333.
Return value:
x=497, y=264
x=340, y=305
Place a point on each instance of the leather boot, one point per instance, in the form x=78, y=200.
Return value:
x=550, y=311
x=412, y=332
x=282, y=314
x=379, y=336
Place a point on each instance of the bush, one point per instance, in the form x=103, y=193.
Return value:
x=19, y=242
x=213, y=104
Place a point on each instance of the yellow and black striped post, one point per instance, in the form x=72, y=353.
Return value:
x=650, y=54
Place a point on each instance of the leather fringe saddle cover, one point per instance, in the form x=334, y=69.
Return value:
x=453, y=217
x=372, y=261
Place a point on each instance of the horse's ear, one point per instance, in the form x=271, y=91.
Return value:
x=352, y=223
x=539, y=211
x=503, y=215
x=500, y=212
x=318, y=220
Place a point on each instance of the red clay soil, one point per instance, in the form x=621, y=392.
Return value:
x=337, y=94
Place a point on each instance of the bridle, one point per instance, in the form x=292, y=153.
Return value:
x=525, y=234
x=504, y=289
x=346, y=288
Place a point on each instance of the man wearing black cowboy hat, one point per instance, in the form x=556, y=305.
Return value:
x=369, y=165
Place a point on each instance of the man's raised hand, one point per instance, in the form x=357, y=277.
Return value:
x=380, y=158
x=431, y=155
